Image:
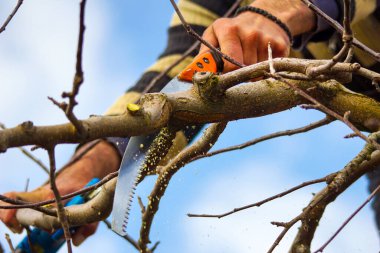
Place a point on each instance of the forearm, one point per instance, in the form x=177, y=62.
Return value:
x=97, y=162
x=296, y=15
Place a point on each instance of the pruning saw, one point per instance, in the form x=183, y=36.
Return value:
x=134, y=155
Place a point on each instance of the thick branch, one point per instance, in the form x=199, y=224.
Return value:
x=204, y=144
x=366, y=160
x=94, y=210
x=185, y=108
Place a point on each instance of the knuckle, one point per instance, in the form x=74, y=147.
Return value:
x=251, y=37
x=225, y=25
x=280, y=47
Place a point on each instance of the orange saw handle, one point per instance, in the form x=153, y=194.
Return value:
x=206, y=62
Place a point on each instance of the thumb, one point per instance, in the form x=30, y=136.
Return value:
x=83, y=232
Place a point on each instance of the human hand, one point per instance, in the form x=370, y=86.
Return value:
x=97, y=162
x=245, y=37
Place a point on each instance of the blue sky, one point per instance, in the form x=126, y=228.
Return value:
x=122, y=39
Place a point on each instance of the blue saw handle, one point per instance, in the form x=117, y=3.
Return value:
x=44, y=242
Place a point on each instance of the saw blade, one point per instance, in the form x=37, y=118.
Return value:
x=129, y=174
x=131, y=167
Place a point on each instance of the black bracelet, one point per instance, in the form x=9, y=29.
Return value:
x=267, y=15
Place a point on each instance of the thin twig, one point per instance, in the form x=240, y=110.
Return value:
x=340, y=29
x=257, y=204
x=270, y=59
x=289, y=132
x=126, y=237
x=345, y=51
x=193, y=47
x=198, y=37
x=60, y=208
x=26, y=188
x=202, y=145
x=18, y=204
x=4, y=26
x=142, y=206
x=8, y=238
x=349, y=219
x=34, y=159
x=29, y=155
x=327, y=110
x=78, y=78
x=28, y=235
x=155, y=246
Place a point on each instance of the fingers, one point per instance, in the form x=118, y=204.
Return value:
x=224, y=34
x=8, y=216
x=83, y=232
x=209, y=36
x=245, y=38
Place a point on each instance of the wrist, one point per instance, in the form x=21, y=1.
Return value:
x=296, y=15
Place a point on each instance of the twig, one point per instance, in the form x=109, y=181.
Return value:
x=366, y=160
x=34, y=159
x=340, y=29
x=27, y=184
x=28, y=154
x=270, y=60
x=4, y=26
x=289, y=132
x=328, y=111
x=126, y=237
x=201, y=146
x=155, y=246
x=8, y=238
x=193, y=47
x=258, y=204
x=141, y=204
x=18, y=204
x=28, y=233
x=78, y=79
x=345, y=51
x=198, y=37
x=349, y=219
x=60, y=208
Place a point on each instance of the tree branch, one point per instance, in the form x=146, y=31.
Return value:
x=199, y=38
x=60, y=207
x=322, y=248
x=96, y=209
x=30, y=155
x=290, y=132
x=193, y=47
x=10, y=244
x=78, y=79
x=201, y=146
x=367, y=160
x=340, y=29
x=4, y=26
x=326, y=179
x=184, y=108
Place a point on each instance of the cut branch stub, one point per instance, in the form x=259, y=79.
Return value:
x=208, y=88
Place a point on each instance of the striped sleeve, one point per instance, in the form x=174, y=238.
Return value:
x=362, y=8
x=197, y=13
